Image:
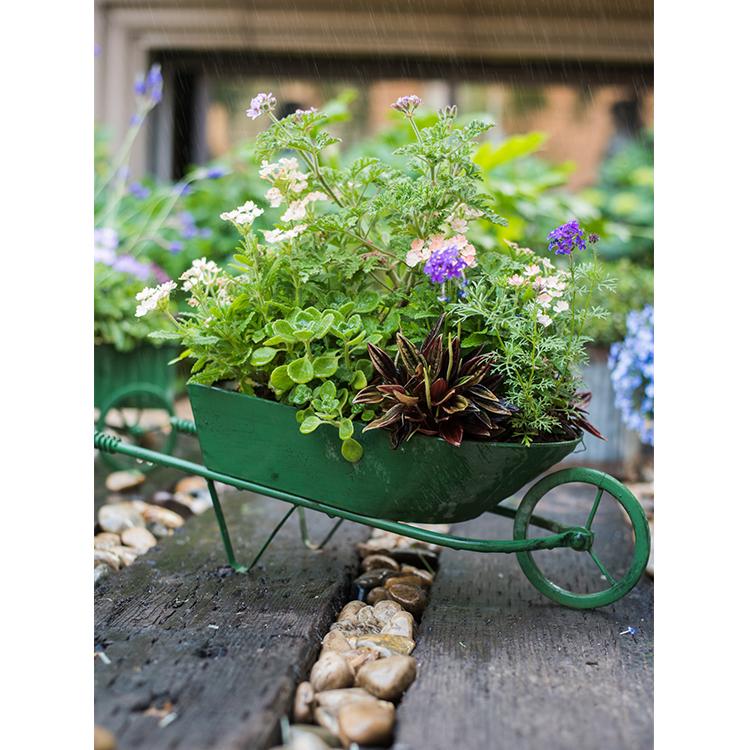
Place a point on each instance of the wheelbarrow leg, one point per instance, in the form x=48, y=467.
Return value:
x=226, y=540
x=306, y=537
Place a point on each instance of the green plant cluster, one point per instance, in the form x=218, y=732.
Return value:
x=362, y=251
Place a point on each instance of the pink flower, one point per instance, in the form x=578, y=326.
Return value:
x=407, y=104
x=417, y=253
x=544, y=299
x=532, y=270
x=516, y=280
x=561, y=306
x=545, y=320
x=261, y=103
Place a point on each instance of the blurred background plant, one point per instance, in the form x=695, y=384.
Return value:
x=143, y=231
x=631, y=363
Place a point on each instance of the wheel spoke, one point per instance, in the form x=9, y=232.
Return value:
x=594, y=508
x=601, y=567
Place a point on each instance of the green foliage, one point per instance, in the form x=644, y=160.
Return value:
x=536, y=316
x=633, y=289
x=337, y=262
x=144, y=234
x=624, y=197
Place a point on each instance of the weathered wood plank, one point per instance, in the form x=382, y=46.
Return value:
x=501, y=666
x=228, y=683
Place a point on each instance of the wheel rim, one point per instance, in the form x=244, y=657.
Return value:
x=604, y=483
x=123, y=416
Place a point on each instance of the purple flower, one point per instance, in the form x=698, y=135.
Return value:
x=407, y=104
x=150, y=86
x=154, y=84
x=593, y=238
x=138, y=191
x=135, y=119
x=215, y=172
x=188, y=228
x=129, y=264
x=261, y=103
x=445, y=264
x=175, y=247
x=564, y=238
x=106, y=241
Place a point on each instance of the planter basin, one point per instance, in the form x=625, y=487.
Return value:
x=425, y=480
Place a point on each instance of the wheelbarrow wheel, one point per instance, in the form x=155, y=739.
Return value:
x=603, y=485
x=139, y=414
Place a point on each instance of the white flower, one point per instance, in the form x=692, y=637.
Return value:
x=279, y=235
x=201, y=272
x=547, y=263
x=516, y=280
x=295, y=212
x=545, y=320
x=150, y=297
x=561, y=306
x=532, y=270
x=297, y=209
x=274, y=197
x=247, y=213
x=544, y=299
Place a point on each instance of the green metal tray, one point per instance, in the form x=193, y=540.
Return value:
x=425, y=480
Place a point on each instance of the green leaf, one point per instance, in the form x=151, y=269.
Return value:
x=301, y=370
x=351, y=450
x=368, y=415
x=367, y=302
x=323, y=325
x=310, y=424
x=280, y=380
x=262, y=356
x=346, y=429
x=325, y=366
x=359, y=381
x=300, y=395
x=165, y=335
x=326, y=390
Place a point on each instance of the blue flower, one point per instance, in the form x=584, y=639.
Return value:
x=138, y=191
x=175, y=247
x=215, y=172
x=566, y=237
x=631, y=363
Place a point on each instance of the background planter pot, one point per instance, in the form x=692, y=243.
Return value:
x=425, y=480
x=134, y=395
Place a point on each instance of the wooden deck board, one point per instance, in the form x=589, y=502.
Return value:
x=500, y=666
x=228, y=684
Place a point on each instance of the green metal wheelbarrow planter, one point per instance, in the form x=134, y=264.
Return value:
x=254, y=444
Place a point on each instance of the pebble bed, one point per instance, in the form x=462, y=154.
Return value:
x=365, y=663
x=127, y=528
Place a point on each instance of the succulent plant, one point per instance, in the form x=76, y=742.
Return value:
x=433, y=390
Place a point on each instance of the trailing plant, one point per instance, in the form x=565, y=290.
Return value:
x=434, y=390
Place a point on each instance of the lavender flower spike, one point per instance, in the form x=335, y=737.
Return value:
x=407, y=104
x=566, y=237
x=261, y=103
